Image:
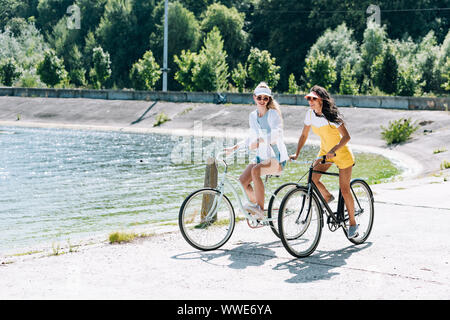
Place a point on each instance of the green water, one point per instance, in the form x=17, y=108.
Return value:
x=58, y=185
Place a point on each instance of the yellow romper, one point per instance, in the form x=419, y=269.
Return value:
x=329, y=137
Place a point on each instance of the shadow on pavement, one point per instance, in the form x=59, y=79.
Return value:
x=319, y=265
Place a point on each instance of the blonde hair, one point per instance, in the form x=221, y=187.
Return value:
x=272, y=104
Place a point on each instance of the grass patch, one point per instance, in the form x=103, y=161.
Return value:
x=445, y=165
x=160, y=119
x=439, y=150
x=119, y=237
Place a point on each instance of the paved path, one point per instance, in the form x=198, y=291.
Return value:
x=406, y=257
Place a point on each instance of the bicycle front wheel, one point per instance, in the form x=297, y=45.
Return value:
x=275, y=203
x=206, y=219
x=364, y=209
x=300, y=222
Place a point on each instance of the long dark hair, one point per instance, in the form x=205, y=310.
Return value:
x=329, y=109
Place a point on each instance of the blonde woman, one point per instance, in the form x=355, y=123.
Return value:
x=266, y=136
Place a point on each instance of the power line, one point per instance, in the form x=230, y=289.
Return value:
x=348, y=11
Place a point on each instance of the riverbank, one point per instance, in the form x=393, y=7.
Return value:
x=416, y=156
x=406, y=252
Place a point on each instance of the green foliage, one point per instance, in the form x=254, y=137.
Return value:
x=348, y=84
x=117, y=34
x=398, y=131
x=51, y=69
x=445, y=165
x=320, y=70
x=211, y=70
x=101, y=70
x=145, y=73
x=446, y=75
x=339, y=45
x=384, y=72
x=9, y=71
x=186, y=64
x=293, y=86
x=230, y=23
x=262, y=67
x=239, y=76
x=160, y=119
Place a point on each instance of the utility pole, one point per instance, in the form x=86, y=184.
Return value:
x=166, y=35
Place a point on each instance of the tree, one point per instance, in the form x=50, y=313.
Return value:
x=9, y=72
x=372, y=46
x=211, y=71
x=76, y=71
x=385, y=72
x=101, y=70
x=184, y=34
x=446, y=76
x=231, y=26
x=239, y=76
x=186, y=64
x=348, y=83
x=51, y=69
x=116, y=34
x=145, y=72
x=50, y=12
x=293, y=86
x=340, y=46
x=320, y=70
x=262, y=67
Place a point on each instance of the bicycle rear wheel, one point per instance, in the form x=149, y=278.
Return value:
x=275, y=203
x=364, y=210
x=299, y=224
x=206, y=219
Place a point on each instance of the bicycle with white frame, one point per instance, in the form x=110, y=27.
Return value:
x=207, y=217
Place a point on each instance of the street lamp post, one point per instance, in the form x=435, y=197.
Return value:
x=166, y=34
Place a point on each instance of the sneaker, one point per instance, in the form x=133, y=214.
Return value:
x=352, y=232
x=249, y=205
x=257, y=212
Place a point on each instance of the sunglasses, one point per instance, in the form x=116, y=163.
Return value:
x=311, y=98
x=259, y=98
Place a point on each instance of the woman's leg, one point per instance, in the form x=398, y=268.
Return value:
x=246, y=179
x=344, y=183
x=316, y=179
x=271, y=166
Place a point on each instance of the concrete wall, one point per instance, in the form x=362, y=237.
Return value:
x=387, y=102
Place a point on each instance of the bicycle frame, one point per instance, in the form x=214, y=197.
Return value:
x=338, y=216
x=226, y=183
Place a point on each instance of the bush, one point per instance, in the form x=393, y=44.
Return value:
x=9, y=72
x=398, y=131
x=51, y=69
x=145, y=73
x=160, y=119
x=320, y=70
x=293, y=86
x=101, y=70
x=261, y=67
x=186, y=64
x=239, y=76
x=348, y=83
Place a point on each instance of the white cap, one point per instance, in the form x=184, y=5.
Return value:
x=262, y=90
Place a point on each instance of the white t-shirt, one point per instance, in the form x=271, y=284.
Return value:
x=312, y=119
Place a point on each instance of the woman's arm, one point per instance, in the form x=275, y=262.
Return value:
x=345, y=138
x=301, y=141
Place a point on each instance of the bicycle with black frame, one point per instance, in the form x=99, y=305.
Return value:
x=301, y=219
